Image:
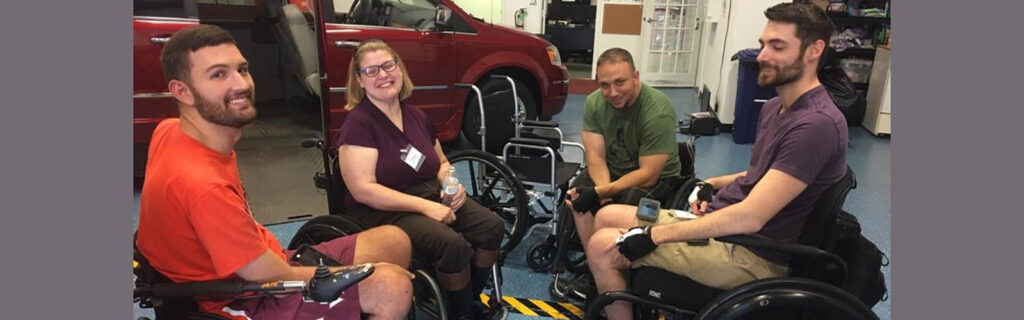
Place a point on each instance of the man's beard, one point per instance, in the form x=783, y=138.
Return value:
x=222, y=114
x=783, y=74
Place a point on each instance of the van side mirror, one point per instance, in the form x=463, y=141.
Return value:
x=443, y=17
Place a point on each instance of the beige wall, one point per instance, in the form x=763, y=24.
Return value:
x=743, y=29
x=602, y=42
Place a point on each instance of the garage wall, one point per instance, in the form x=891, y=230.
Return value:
x=602, y=41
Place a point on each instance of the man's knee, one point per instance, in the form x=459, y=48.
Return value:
x=389, y=291
x=385, y=244
x=389, y=237
x=602, y=244
x=615, y=216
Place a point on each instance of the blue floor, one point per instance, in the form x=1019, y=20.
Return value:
x=868, y=156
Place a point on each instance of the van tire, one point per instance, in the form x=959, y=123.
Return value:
x=499, y=123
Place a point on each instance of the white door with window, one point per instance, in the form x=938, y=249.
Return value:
x=671, y=42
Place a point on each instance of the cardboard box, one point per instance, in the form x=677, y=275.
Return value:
x=823, y=4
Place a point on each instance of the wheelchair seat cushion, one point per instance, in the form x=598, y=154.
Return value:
x=669, y=288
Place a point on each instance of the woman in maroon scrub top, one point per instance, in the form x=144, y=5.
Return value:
x=392, y=165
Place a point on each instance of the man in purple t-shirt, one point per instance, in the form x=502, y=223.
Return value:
x=800, y=151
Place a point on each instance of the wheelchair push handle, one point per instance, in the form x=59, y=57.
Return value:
x=482, y=132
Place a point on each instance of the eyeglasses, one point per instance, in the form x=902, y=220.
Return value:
x=387, y=66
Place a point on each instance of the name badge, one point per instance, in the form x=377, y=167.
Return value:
x=412, y=157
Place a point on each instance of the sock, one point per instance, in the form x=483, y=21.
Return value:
x=460, y=302
x=478, y=279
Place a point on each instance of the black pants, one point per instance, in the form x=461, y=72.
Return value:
x=449, y=248
x=662, y=190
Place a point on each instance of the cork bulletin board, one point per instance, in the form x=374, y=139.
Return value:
x=622, y=19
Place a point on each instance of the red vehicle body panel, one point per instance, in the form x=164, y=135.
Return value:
x=435, y=60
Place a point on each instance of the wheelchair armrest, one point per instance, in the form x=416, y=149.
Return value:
x=593, y=311
x=538, y=123
x=529, y=141
x=214, y=288
x=789, y=248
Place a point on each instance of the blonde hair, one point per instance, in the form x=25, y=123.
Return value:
x=354, y=92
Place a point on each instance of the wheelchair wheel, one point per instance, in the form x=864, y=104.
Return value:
x=787, y=298
x=541, y=255
x=324, y=228
x=492, y=184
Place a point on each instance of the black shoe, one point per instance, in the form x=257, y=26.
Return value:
x=483, y=312
x=582, y=289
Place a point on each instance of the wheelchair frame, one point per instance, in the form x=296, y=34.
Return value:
x=519, y=142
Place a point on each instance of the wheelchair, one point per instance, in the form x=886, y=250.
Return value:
x=812, y=290
x=427, y=293
x=529, y=180
x=179, y=301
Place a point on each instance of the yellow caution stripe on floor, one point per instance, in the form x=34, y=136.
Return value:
x=539, y=308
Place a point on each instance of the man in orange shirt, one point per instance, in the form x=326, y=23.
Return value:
x=195, y=224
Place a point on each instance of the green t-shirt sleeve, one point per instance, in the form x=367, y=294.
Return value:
x=590, y=114
x=658, y=135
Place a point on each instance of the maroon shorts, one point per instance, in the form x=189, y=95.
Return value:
x=292, y=307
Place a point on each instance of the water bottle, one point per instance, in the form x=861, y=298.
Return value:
x=450, y=186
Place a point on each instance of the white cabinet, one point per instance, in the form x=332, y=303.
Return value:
x=878, y=116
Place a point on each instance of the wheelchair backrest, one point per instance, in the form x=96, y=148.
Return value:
x=687, y=154
x=336, y=190
x=819, y=229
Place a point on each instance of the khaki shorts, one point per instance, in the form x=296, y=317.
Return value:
x=717, y=264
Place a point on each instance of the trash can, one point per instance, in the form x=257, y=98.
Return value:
x=749, y=97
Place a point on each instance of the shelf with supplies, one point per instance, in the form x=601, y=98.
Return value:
x=840, y=19
x=867, y=52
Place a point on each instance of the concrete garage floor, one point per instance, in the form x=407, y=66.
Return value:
x=276, y=171
x=280, y=168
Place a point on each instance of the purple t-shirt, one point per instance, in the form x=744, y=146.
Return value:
x=808, y=142
x=367, y=126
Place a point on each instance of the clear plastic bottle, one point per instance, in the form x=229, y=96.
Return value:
x=450, y=186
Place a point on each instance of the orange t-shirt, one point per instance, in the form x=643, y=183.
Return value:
x=194, y=221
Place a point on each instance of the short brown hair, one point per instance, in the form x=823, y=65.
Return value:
x=616, y=55
x=354, y=92
x=812, y=23
x=174, y=56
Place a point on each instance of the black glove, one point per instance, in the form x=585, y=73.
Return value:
x=706, y=192
x=588, y=201
x=636, y=243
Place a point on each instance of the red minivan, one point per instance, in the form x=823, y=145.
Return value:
x=440, y=43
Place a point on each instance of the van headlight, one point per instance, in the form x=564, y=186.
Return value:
x=553, y=55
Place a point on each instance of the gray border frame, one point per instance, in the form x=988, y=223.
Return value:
x=66, y=133
x=955, y=82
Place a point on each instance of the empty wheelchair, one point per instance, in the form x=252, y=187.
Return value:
x=812, y=290
x=532, y=154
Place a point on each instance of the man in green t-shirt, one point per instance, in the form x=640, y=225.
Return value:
x=629, y=131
